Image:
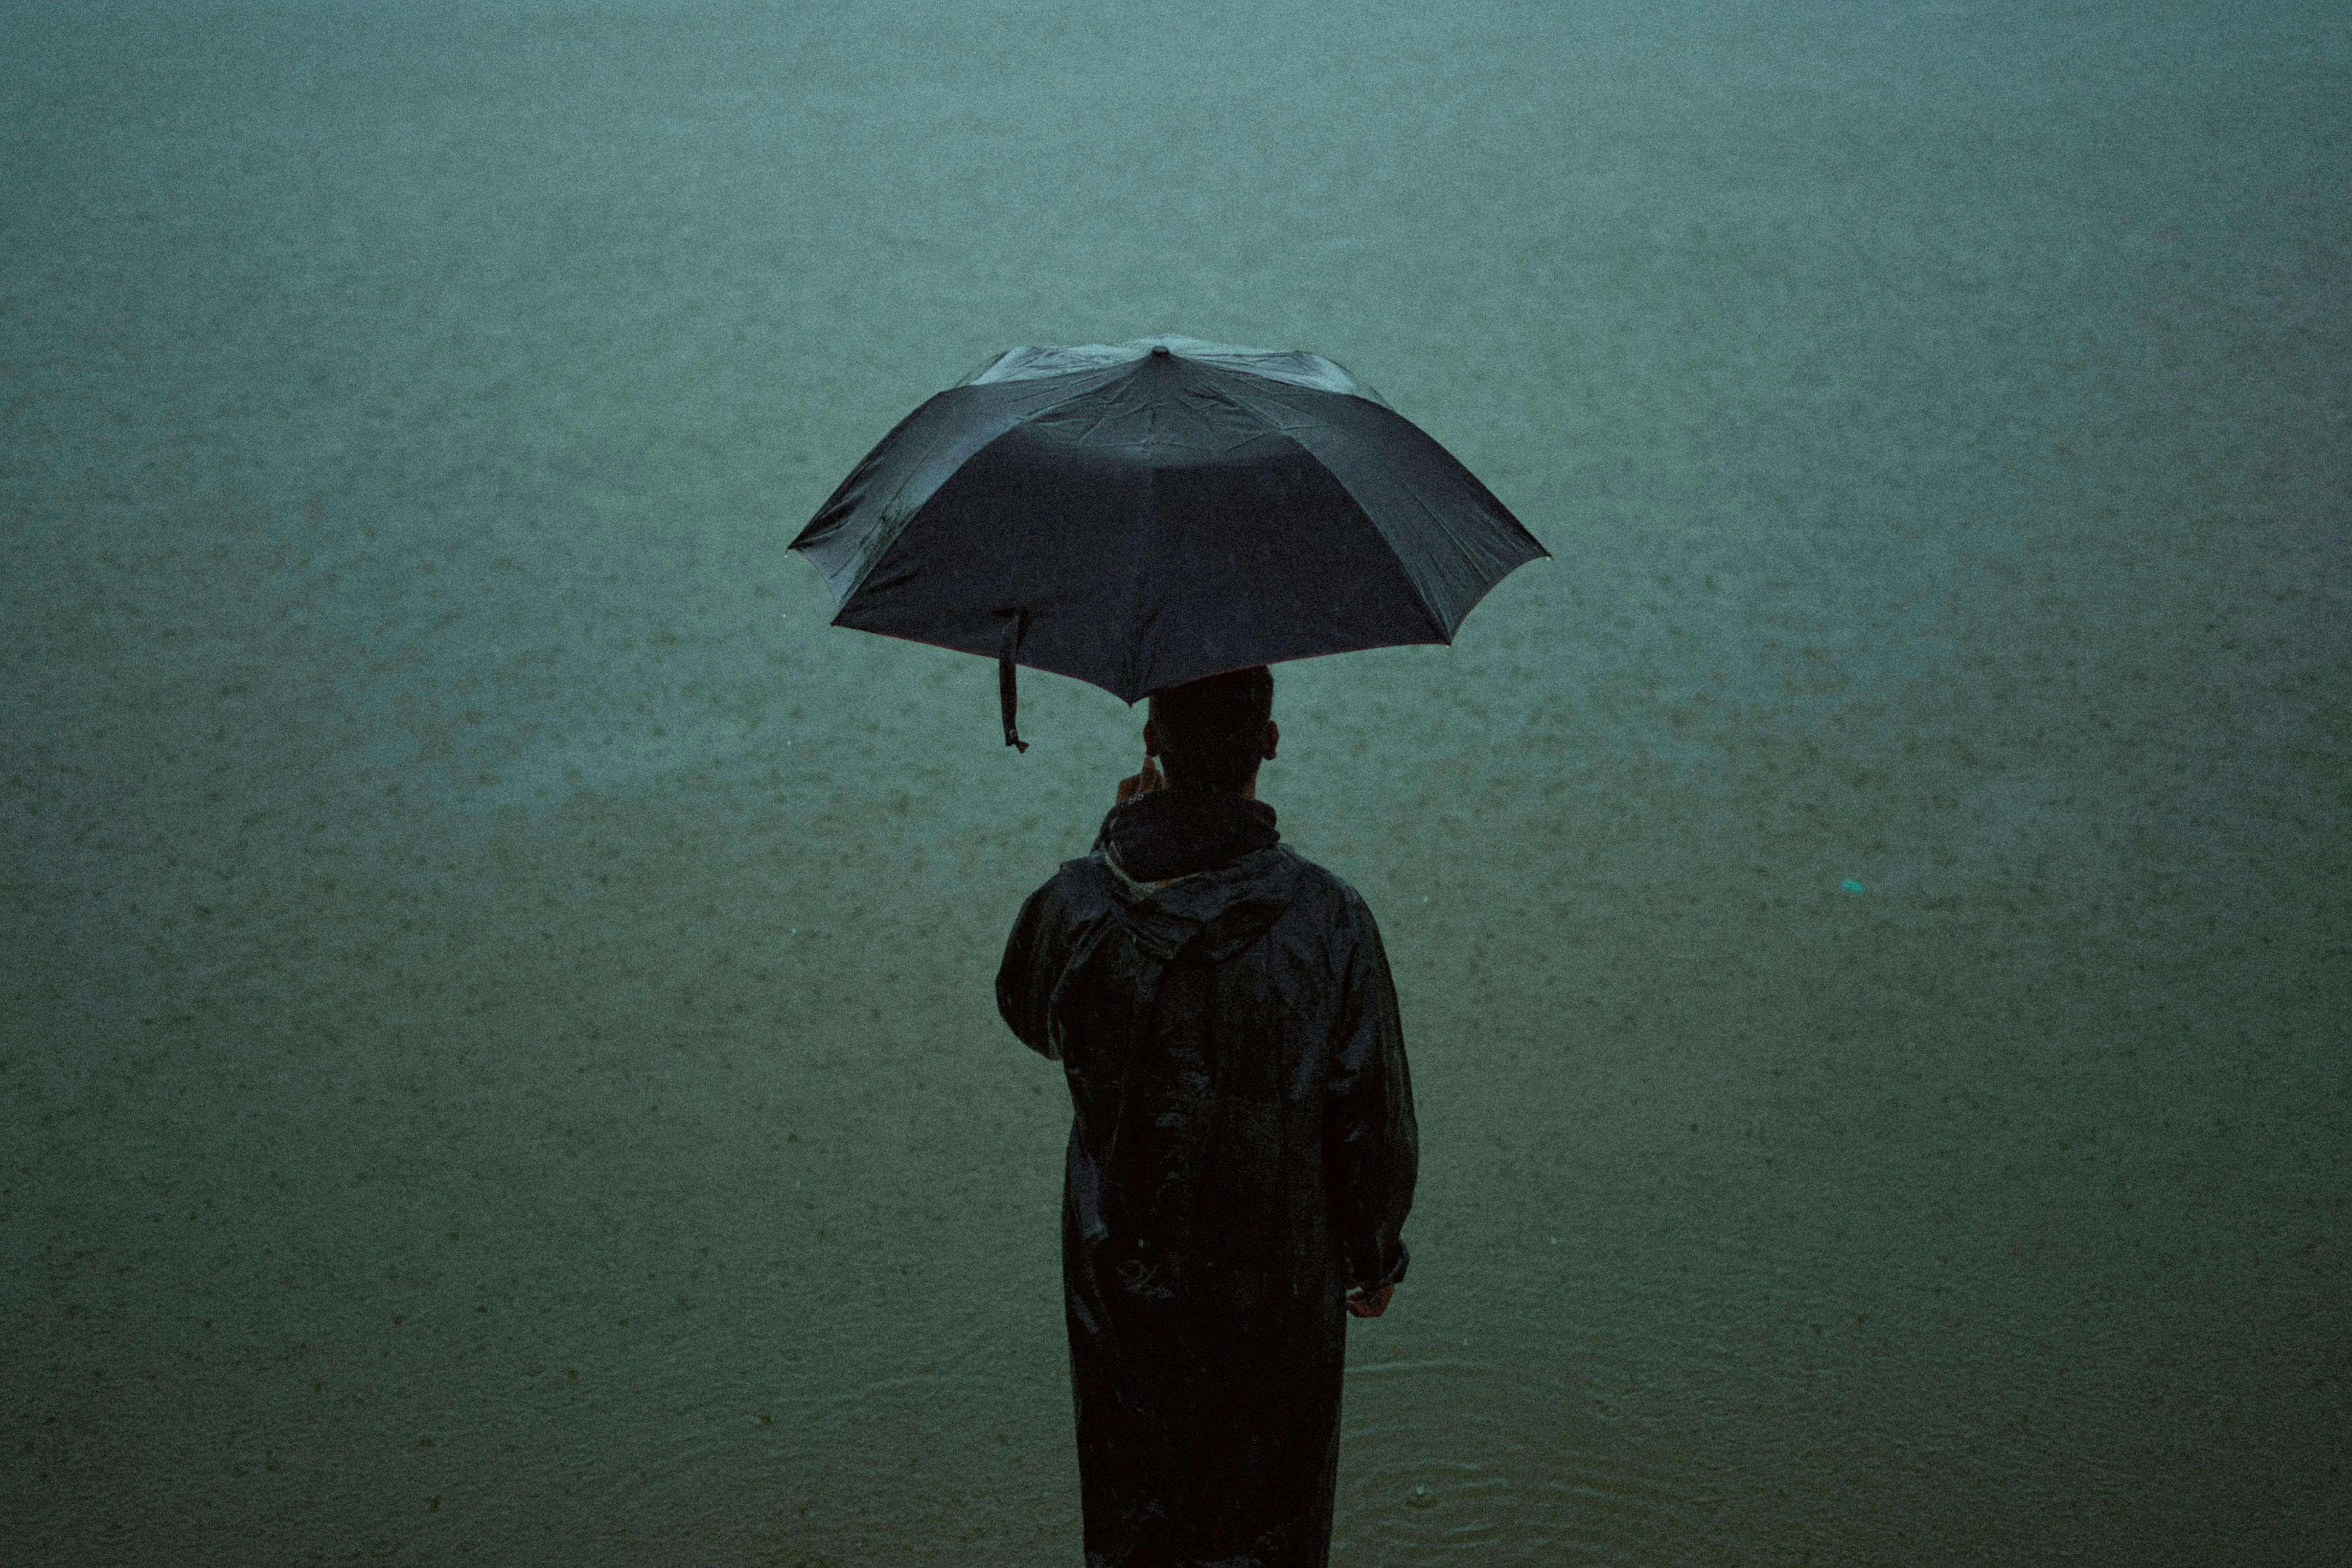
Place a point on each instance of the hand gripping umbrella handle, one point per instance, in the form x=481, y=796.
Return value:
x=1008, y=694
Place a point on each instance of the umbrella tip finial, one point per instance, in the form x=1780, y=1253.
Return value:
x=1159, y=351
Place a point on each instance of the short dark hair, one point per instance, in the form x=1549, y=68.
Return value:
x=1212, y=731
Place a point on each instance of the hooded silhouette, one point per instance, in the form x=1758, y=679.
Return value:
x=1242, y=1153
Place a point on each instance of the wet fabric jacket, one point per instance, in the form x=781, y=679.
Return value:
x=1242, y=1152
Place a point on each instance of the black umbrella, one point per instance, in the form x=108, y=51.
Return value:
x=1141, y=514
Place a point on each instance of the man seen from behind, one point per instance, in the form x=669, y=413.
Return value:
x=1242, y=1149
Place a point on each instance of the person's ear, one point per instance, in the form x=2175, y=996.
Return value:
x=1150, y=740
x=1273, y=739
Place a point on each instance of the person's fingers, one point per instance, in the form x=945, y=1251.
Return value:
x=1142, y=783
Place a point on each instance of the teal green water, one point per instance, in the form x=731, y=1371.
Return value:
x=496, y=1054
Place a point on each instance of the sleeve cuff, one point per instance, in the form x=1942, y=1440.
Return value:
x=1393, y=1274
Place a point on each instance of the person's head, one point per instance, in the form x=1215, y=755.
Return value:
x=1210, y=735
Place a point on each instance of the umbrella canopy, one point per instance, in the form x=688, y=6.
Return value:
x=1141, y=514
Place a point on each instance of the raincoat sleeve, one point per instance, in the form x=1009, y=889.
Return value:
x=1372, y=1147
x=1033, y=962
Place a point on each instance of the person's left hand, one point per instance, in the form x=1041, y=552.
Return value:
x=1134, y=784
x=1371, y=1303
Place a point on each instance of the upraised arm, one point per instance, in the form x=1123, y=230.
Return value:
x=1025, y=979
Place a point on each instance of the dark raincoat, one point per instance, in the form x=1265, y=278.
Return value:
x=1243, y=1150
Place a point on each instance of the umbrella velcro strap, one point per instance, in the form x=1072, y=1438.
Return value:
x=1008, y=692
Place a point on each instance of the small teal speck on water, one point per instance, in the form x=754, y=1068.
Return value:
x=1852, y=886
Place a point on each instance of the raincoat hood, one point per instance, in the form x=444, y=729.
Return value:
x=1170, y=833
x=1226, y=878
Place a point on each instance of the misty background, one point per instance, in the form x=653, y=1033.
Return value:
x=498, y=1055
